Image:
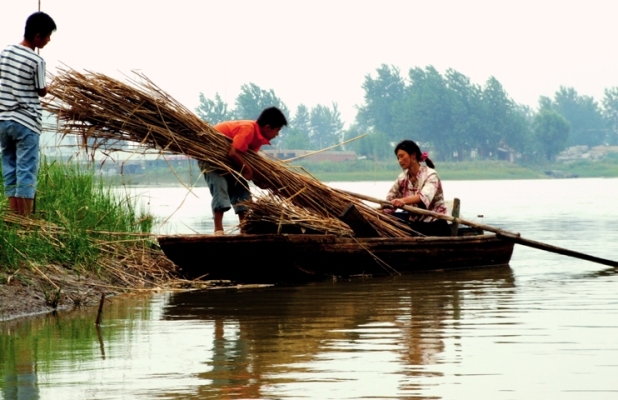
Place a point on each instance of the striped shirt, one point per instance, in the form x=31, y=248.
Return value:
x=22, y=73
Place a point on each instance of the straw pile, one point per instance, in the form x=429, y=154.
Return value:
x=128, y=259
x=282, y=216
x=107, y=110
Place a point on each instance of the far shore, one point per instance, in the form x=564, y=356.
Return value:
x=355, y=171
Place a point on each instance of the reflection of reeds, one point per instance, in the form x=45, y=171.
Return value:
x=107, y=110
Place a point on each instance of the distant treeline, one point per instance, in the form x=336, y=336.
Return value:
x=447, y=114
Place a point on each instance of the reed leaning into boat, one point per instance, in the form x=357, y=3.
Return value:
x=418, y=185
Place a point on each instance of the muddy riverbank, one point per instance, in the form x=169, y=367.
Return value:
x=28, y=293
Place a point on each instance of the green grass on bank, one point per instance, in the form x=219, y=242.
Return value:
x=481, y=170
x=607, y=167
x=87, y=213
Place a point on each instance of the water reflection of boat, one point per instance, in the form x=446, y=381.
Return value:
x=284, y=336
x=282, y=258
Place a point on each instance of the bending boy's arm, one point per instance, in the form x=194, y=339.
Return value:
x=238, y=159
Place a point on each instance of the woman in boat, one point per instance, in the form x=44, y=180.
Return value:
x=419, y=186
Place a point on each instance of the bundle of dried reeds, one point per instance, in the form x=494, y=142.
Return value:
x=97, y=106
x=271, y=214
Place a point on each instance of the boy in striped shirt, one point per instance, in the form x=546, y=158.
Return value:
x=22, y=81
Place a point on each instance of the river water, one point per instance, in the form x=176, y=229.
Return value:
x=545, y=327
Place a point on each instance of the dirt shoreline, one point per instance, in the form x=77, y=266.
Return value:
x=20, y=301
x=28, y=293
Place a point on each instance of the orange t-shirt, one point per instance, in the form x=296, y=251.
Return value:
x=245, y=134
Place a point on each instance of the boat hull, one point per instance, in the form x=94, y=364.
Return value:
x=300, y=258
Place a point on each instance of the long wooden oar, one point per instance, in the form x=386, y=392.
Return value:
x=506, y=235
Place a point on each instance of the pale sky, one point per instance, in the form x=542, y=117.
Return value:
x=318, y=52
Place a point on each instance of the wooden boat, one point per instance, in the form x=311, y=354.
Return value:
x=288, y=258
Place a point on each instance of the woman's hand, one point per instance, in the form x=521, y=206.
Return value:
x=407, y=201
x=398, y=203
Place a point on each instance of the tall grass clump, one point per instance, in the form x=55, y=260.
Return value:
x=72, y=195
x=78, y=224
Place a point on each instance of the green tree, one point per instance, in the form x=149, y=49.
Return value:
x=466, y=110
x=302, y=119
x=552, y=132
x=426, y=114
x=545, y=102
x=610, y=113
x=297, y=135
x=361, y=146
x=296, y=140
x=505, y=123
x=252, y=100
x=382, y=147
x=213, y=111
x=522, y=139
x=381, y=95
x=584, y=114
x=374, y=145
x=326, y=126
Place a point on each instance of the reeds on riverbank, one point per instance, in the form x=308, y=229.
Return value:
x=81, y=228
x=106, y=110
x=125, y=260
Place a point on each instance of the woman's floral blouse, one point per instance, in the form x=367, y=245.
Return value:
x=427, y=184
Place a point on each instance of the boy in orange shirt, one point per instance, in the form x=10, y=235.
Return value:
x=225, y=189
